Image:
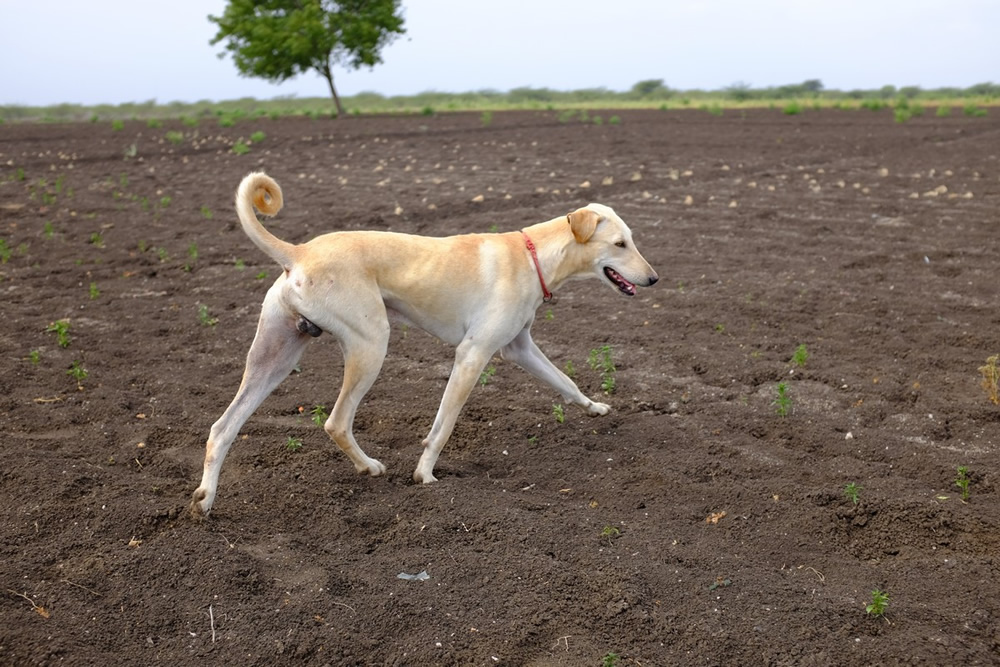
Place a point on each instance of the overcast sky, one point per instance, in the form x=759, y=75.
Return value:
x=114, y=51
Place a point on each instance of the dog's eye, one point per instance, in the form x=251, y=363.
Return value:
x=620, y=244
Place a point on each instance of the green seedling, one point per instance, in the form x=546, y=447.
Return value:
x=154, y=123
x=206, y=319
x=879, y=603
x=174, y=137
x=853, y=492
x=609, y=533
x=559, y=413
x=239, y=264
x=600, y=359
x=293, y=444
x=963, y=481
x=94, y=292
x=486, y=118
x=162, y=254
x=257, y=137
x=240, y=148
x=610, y=660
x=548, y=315
x=570, y=369
x=165, y=201
x=533, y=440
x=61, y=329
x=192, y=255
x=97, y=240
x=484, y=377
x=991, y=378
x=427, y=111
x=5, y=251
x=943, y=111
x=117, y=125
x=783, y=402
x=800, y=356
x=615, y=120
x=494, y=228
x=77, y=372
x=48, y=230
x=719, y=328
x=206, y=212
x=35, y=356
x=319, y=415
x=261, y=276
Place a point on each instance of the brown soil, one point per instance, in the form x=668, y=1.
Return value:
x=875, y=244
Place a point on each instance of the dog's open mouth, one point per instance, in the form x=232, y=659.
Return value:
x=624, y=286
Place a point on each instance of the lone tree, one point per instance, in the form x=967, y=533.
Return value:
x=279, y=39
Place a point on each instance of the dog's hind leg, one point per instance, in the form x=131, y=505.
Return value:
x=523, y=352
x=276, y=349
x=364, y=353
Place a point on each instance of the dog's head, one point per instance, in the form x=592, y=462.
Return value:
x=608, y=241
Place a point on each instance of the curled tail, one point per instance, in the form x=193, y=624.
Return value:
x=259, y=190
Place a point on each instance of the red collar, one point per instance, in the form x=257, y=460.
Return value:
x=546, y=294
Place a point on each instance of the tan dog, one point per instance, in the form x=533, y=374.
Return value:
x=478, y=292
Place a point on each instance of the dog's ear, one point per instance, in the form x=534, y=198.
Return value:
x=583, y=222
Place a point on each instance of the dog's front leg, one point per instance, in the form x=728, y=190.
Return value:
x=523, y=352
x=469, y=363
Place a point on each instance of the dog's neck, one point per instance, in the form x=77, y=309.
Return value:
x=556, y=252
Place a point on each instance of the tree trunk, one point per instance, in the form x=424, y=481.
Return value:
x=328, y=75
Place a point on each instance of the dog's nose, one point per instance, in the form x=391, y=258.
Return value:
x=652, y=280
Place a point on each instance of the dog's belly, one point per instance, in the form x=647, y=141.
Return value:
x=449, y=332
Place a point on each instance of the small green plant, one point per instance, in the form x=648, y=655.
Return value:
x=240, y=148
x=484, y=377
x=609, y=533
x=800, y=356
x=162, y=254
x=117, y=125
x=943, y=111
x=548, y=315
x=189, y=121
x=293, y=444
x=559, y=413
x=239, y=264
x=792, y=109
x=35, y=356
x=192, y=253
x=154, y=123
x=94, y=292
x=610, y=660
x=226, y=121
x=261, y=276
x=319, y=415
x=783, y=402
x=494, y=228
x=600, y=359
x=206, y=319
x=174, y=137
x=61, y=329
x=206, y=212
x=570, y=369
x=48, y=230
x=165, y=201
x=853, y=492
x=427, y=111
x=963, y=481
x=974, y=111
x=257, y=137
x=991, y=378
x=486, y=118
x=5, y=251
x=720, y=328
x=879, y=603
x=901, y=115
x=77, y=372
x=97, y=240
x=615, y=120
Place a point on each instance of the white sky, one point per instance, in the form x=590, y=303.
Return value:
x=114, y=51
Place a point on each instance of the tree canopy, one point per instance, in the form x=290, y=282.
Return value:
x=279, y=39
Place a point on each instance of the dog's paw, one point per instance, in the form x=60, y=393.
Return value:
x=421, y=477
x=201, y=504
x=598, y=409
x=373, y=467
